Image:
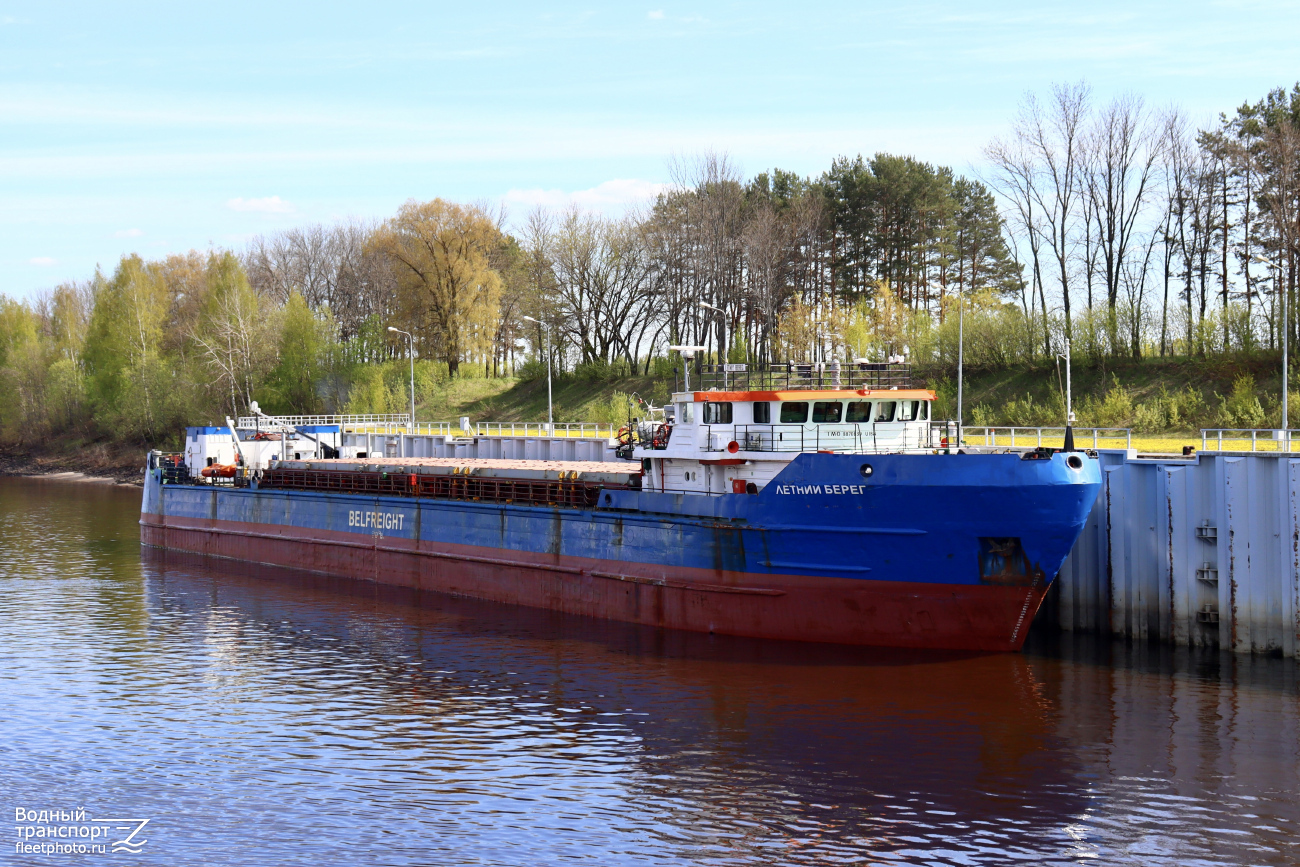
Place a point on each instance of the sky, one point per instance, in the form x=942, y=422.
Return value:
x=159, y=128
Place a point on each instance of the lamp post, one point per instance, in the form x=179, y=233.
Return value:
x=961, y=352
x=1277, y=284
x=1069, y=400
x=550, y=408
x=819, y=332
x=721, y=313
x=722, y=362
x=411, y=346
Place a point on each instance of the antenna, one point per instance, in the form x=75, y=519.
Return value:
x=688, y=352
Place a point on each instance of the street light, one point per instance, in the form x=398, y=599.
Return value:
x=1069, y=400
x=961, y=353
x=550, y=409
x=707, y=306
x=411, y=341
x=819, y=331
x=1277, y=285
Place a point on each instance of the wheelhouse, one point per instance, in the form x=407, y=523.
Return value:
x=724, y=439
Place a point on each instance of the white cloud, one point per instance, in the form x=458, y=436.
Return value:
x=655, y=15
x=267, y=205
x=128, y=233
x=612, y=195
x=43, y=261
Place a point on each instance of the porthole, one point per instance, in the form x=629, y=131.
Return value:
x=866, y=471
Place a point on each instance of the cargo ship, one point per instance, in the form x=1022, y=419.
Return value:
x=788, y=502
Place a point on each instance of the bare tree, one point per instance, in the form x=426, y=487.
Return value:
x=331, y=266
x=603, y=284
x=1054, y=137
x=1282, y=197
x=1122, y=152
x=714, y=198
x=1016, y=178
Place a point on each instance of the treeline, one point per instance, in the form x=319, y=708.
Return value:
x=785, y=267
x=1141, y=235
x=1114, y=226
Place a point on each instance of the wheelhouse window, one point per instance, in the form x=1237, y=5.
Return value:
x=762, y=413
x=826, y=411
x=686, y=413
x=885, y=410
x=717, y=413
x=858, y=411
x=794, y=412
x=913, y=410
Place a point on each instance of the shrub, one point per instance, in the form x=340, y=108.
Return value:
x=1115, y=409
x=983, y=416
x=1027, y=413
x=660, y=393
x=531, y=370
x=1151, y=417
x=368, y=393
x=1241, y=408
x=945, y=399
x=602, y=371
x=1190, y=409
x=431, y=377
x=611, y=410
x=663, y=368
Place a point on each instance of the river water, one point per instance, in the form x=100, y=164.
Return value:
x=263, y=716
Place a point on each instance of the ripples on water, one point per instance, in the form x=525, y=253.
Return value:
x=261, y=716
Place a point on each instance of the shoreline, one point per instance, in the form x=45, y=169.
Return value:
x=65, y=469
x=70, y=476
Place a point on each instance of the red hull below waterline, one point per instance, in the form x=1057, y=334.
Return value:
x=785, y=607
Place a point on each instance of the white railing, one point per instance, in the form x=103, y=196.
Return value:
x=1260, y=440
x=586, y=429
x=400, y=424
x=344, y=421
x=850, y=438
x=1094, y=437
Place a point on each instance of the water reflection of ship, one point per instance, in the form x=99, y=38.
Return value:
x=876, y=737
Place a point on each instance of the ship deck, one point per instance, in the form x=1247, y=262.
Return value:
x=506, y=464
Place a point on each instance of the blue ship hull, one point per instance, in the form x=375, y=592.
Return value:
x=915, y=550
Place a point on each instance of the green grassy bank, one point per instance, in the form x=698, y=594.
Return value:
x=1165, y=402
x=1155, y=396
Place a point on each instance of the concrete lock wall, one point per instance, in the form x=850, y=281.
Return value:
x=1202, y=551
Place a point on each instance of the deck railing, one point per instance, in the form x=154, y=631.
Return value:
x=839, y=438
x=347, y=422
x=571, y=430
x=1259, y=439
x=794, y=376
x=394, y=424
x=1027, y=437
x=584, y=429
